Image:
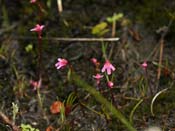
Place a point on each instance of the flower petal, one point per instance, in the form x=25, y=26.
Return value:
x=108, y=71
x=103, y=69
x=112, y=67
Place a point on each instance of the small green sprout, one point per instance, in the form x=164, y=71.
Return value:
x=27, y=127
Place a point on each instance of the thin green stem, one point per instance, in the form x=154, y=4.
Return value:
x=39, y=58
x=112, y=96
x=104, y=50
x=40, y=102
x=113, y=36
x=39, y=98
x=147, y=81
x=133, y=110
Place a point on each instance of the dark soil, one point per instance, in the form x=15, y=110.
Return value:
x=138, y=42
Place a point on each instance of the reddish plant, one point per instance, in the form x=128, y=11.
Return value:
x=56, y=107
x=50, y=128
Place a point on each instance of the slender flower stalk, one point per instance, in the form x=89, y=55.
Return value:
x=108, y=67
x=110, y=84
x=144, y=65
x=39, y=28
x=36, y=87
x=40, y=102
x=40, y=7
x=37, y=84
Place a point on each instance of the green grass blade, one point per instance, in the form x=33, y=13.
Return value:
x=77, y=81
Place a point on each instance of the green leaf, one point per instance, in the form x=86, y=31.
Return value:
x=69, y=74
x=62, y=114
x=48, y=4
x=100, y=29
x=71, y=98
x=115, y=17
x=5, y=22
x=27, y=127
x=115, y=112
x=29, y=48
x=103, y=32
x=15, y=110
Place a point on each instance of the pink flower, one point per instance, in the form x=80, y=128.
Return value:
x=33, y=1
x=94, y=61
x=98, y=77
x=38, y=28
x=144, y=65
x=110, y=84
x=108, y=67
x=61, y=63
x=35, y=84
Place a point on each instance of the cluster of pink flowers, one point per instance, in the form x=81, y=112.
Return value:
x=108, y=68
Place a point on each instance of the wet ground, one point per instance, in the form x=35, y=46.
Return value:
x=138, y=42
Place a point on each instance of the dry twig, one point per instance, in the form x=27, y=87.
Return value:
x=6, y=120
x=68, y=39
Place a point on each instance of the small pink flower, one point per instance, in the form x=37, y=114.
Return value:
x=94, y=61
x=108, y=67
x=33, y=1
x=38, y=28
x=61, y=63
x=35, y=84
x=144, y=65
x=110, y=84
x=98, y=77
